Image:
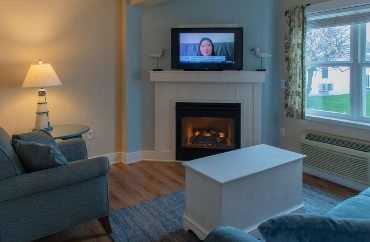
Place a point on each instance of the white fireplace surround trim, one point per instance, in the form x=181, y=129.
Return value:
x=207, y=76
x=244, y=87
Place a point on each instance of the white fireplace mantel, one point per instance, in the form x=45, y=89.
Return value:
x=207, y=76
x=244, y=87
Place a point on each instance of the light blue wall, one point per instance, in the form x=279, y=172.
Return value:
x=255, y=16
x=133, y=79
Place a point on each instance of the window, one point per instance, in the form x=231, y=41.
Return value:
x=325, y=72
x=326, y=87
x=338, y=64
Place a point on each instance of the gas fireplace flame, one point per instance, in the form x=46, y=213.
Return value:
x=208, y=138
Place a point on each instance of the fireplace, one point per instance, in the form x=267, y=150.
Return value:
x=204, y=129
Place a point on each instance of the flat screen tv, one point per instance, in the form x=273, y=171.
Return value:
x=207, y=48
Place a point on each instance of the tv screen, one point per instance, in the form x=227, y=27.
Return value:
x=207, y=48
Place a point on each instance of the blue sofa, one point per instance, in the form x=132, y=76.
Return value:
x=349, y=221
x=36, y=204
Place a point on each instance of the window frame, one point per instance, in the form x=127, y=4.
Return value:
x=363, y=64
x=357, y=98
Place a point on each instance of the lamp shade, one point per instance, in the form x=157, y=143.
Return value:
x=41, y=75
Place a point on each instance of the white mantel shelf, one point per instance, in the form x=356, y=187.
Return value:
x=208, y=76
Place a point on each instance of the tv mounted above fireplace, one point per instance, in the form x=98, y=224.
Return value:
x=207, y=49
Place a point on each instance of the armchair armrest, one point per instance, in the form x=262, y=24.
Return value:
x=53, y=178
x=73, y=149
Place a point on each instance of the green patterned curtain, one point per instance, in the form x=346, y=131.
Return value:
x=295, y=59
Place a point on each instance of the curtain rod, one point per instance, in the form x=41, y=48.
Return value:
x=286, y=12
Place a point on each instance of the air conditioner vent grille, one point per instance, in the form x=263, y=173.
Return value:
x=336, y=163
x=339, y=156
x=338, y=141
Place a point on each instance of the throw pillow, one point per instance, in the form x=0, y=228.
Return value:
x=37, y=136
x=36, y=157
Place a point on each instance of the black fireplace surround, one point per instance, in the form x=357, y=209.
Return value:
x=204, y=129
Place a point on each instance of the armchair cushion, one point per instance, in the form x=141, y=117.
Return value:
x=9, y=163
x=298, y=227
x=73, y=149
x=36, y=157
x=54, y=178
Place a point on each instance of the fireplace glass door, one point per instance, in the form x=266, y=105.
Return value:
x=204, y=129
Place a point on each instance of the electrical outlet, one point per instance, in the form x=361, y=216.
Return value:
x=282, y=132
x=282, y=84
x=90, y=135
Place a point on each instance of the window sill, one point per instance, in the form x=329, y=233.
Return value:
x=343, y=122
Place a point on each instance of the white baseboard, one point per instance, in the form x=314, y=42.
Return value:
x=133, y=157
x=113, y=157
x=149, y=155
x=336, y=179
x=141, y=155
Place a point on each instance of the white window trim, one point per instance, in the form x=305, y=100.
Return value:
x=342, y=122
x=334, y=5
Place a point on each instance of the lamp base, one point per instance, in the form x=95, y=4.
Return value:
x=42, y=120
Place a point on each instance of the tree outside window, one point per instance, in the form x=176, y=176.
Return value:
x=328, y=59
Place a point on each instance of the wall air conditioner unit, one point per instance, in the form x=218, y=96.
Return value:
x=339, y=159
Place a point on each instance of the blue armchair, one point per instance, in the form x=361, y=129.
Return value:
x=36, y=204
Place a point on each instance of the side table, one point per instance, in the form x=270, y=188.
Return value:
x=68, y=131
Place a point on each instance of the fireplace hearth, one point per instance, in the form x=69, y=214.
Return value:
x=204, y=129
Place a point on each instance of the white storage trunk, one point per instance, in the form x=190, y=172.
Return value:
x=241, y=188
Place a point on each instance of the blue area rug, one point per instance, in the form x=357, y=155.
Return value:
x=160, y=219
x=317, y=201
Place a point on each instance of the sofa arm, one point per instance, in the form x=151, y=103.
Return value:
x=53, y=178
x=300, y=227
x=229, y=234
x=73, y=149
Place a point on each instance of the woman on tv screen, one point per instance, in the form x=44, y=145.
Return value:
x=206, y=47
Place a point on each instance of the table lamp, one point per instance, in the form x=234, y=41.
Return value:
x=41, y=75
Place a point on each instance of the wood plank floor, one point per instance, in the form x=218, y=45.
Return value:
x=131, y=184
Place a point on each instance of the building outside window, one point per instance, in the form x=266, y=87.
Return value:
x=338, y=65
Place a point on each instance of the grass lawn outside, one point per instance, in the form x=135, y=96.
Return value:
x=335, y=103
